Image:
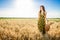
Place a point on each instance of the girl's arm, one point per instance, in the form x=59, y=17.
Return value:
x=38, y=16
x=45, y=17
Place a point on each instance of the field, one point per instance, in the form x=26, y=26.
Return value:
x=27, y=29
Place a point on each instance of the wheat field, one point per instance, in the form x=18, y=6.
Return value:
x=27, y=29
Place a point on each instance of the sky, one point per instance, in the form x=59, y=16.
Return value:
x=29, y=8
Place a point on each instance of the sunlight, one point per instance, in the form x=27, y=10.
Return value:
x=25, y=8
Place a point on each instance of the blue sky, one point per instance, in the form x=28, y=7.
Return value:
x=52, y=7
x=6, y=3
x=29, y=8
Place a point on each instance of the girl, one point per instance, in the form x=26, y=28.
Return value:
x=42, y=19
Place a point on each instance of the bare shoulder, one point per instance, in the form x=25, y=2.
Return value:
x=38, y=13
x=45, y=12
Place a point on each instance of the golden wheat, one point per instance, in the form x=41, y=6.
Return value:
x=26, y=29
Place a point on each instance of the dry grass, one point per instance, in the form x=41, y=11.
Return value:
x=26, y=29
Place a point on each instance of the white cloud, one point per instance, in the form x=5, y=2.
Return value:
x=53, y=14
x=23, y=8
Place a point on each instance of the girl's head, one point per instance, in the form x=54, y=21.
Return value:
x=42, y=8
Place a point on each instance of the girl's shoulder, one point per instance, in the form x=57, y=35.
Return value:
x=45, y=13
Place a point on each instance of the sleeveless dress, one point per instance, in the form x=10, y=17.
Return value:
x=42, y=22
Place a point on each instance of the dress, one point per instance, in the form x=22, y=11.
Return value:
x=42, y=22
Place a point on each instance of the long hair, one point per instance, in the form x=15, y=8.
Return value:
x=42, y=8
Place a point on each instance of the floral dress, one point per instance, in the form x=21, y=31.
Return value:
x=42, y=22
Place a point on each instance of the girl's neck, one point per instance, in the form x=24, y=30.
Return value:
x=42, y=11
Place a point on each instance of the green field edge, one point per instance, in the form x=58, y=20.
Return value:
x=22, y=18
x=15, y=18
